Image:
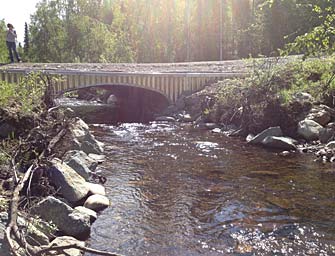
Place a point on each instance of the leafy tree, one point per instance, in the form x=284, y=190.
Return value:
x=3, y=47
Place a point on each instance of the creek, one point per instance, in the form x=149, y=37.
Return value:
x=180, y=191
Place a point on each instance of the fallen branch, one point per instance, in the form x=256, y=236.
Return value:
x=12, y=227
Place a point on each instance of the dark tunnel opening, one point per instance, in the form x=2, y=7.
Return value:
x=119, y=103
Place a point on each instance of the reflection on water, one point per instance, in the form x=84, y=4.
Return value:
x=177, y=191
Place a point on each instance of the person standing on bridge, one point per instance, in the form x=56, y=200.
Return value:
x=11, y=43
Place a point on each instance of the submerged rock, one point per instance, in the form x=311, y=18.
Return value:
x=272, y=131
x=165, y=119
x=284, y=143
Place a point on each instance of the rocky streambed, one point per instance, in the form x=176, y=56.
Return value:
x=307, y=126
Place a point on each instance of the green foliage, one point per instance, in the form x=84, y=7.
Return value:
x=24, y=97
x=3, y=47
x=271, y=88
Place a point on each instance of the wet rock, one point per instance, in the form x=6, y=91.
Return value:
x=185, y=117
x=70, y=184
x=284, y=143
x=89, y=160
x=284, y=153
x=89, y=147
x=93, y=215
x=80, y=131
x=249, y=137
x=309, y=129
x=79, y=166
x=96, y=189
x=67, y=240
x=97, y=158
x=216, y=130
x=165, y=119
x=70, y=222
x=272, y=131
x=97, y=202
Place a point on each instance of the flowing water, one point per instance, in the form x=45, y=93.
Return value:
x=179, y=191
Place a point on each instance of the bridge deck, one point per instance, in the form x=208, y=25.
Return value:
x=236, y=66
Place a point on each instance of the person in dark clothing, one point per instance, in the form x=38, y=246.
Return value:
x=11, y=43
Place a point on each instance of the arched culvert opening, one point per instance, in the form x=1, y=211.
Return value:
x=119, y=103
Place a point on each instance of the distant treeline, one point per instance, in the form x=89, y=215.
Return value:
x=176, y=30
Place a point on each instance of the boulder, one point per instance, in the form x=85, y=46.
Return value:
x=70, y=184
x=185, y=117
x=72, y=223
x=165, y=119
x=93, y=215
x=67, y=240
x=309, y=129
x=97, y=202
x=89, y=161
x=303, y=97
x=272, y=131
x=79, y=166
x=112, y=100
x=283, y=143
x=96, y=189
x=320, y=114
x=80, y=131
x=97, y=158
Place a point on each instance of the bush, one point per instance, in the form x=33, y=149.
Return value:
x=266, y=97
x=24, y=97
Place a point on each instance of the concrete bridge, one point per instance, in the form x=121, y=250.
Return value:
x=168, y=79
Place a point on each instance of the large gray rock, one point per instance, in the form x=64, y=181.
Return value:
x=93, y=215
x=79, y=165
x=309, y=129
x=272, y=131
x=283, y=143
x=70, y=184
x=90, y=162
x=96, y=189
x=97, y=202
x=89, y=144
x=64, y=241
x=72, y=223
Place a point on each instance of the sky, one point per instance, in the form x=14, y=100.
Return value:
x=17, y=12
